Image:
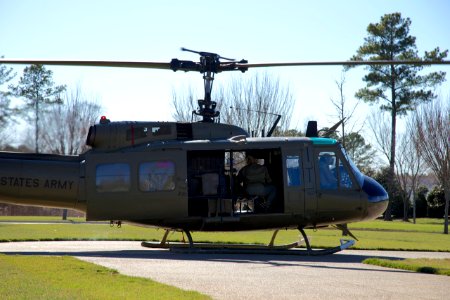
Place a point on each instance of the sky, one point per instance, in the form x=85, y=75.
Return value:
x=259, y=31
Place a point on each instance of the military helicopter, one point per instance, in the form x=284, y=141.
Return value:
x=184, y=176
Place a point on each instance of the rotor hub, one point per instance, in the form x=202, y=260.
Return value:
x=208, y=65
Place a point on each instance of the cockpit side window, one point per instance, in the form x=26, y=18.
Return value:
x=357, y=173
x=344, y=177
x=333, y=172
x=327, y=170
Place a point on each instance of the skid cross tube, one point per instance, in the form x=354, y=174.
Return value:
x=270, y=249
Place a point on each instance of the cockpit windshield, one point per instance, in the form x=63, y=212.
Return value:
x=358, y=175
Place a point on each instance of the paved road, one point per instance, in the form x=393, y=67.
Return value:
x=231, y=276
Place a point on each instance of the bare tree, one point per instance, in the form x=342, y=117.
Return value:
x=410, y=168
x=252, y=104
x=343, y=111
x=257, y=101
x=380, y=127
x=184, y=105
x=6, y=111
x=431, y=125
x=354, y=143
x=66, y=125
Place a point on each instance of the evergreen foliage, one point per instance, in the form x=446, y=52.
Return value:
x=397, y=88
x=38, y=89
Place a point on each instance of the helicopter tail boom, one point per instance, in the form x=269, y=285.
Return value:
x=40, y=179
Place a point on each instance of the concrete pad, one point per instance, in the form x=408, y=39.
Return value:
x=231, y=276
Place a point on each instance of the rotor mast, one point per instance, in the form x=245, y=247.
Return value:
x=209, y=65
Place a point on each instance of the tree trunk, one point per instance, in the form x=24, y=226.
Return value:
x=391, y=174
x=36, y=129
x=405, y=209
x=388, y=214
x=447, y=200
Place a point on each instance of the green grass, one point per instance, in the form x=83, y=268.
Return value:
x=377, y=235
x=37, y=277
x=421, y=265
x=40, y=219
x=382, y=240
x=422, y=225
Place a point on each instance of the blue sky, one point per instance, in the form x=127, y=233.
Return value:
x=259, y=31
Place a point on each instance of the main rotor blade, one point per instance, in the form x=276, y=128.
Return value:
x=345, y=63
x=88, y=63
x=167, y=66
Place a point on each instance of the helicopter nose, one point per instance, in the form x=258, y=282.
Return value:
x=377, y=198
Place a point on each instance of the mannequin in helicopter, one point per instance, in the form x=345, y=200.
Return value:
x=256, y=181
x=328, y=180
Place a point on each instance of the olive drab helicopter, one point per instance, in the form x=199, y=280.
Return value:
x=185, y=175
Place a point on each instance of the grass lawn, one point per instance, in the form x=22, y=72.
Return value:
x=37, y=277
x=430, y=266
x=378, y=235
x=422, y=225
x=40, y=219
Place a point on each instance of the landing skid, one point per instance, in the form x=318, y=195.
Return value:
x=344, y=245
x=217, y=248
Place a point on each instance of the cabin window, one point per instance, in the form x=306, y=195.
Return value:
x=327, y=170
x=157, y=176
x=293, y=170
x=112, y=177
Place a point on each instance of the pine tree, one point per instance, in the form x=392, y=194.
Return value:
x=38, y=89
x=397, y=88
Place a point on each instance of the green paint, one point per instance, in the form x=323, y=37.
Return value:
x=323, y=141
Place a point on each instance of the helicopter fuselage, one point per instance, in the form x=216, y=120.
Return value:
x=184, y=176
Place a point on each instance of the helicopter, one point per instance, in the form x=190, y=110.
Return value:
x=185, y=175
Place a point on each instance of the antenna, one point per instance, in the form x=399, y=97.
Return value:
x=274, y=125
